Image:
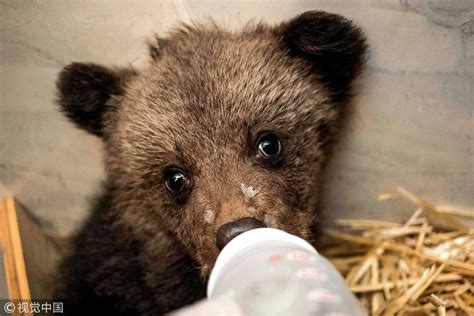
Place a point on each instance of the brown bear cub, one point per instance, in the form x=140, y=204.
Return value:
x=222, y=133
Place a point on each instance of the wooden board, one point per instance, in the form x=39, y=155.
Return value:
x=3, y=279
x=29, y=254
x=13, y=259
x=14, y=262
x=41, y=252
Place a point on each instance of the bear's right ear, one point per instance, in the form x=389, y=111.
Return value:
x=84, y=91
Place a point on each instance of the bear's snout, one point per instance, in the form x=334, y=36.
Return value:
x=230, y=230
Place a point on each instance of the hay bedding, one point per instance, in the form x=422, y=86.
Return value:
x=422, y=267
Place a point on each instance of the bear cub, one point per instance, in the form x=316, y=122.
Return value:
x=223, y=132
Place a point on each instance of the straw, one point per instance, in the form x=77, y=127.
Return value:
x=422, y=266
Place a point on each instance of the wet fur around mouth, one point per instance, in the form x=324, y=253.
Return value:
x=206, y=98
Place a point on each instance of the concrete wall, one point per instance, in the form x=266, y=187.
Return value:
x=413, y=119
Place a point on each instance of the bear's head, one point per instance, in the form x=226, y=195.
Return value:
x=224, y=131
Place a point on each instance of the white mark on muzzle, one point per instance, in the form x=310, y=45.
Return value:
x=270, y=221
x=252, y=209
x=209, y=216
x=248, y=191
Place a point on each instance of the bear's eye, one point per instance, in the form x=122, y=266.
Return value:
x=175, y=180
x=268, y=146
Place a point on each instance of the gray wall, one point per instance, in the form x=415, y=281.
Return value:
x=412, y=125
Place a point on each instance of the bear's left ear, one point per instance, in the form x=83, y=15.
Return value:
x=85, y=90
x=333, y=44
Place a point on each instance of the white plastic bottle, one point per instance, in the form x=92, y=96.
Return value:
x=267, y=271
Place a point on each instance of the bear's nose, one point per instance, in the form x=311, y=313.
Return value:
x=230, y=230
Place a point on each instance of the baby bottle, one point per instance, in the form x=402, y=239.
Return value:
x=267, y=271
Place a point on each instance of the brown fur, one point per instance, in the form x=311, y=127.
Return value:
x=200, y=106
